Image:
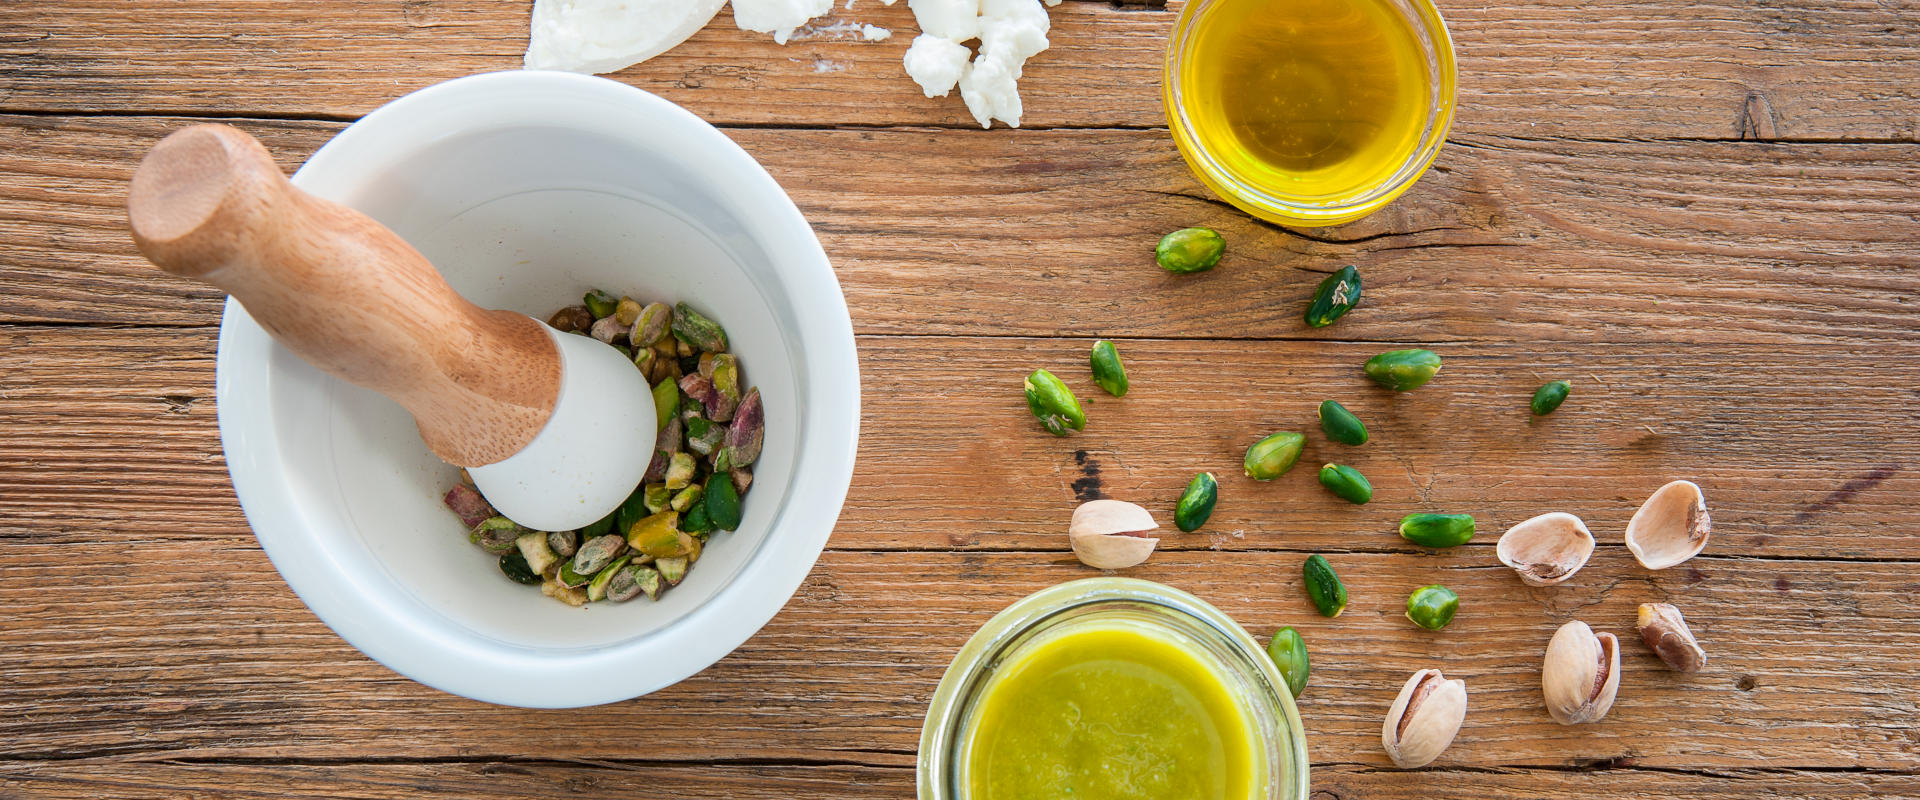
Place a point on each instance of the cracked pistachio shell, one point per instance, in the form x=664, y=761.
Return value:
x=1111, y=534
x=1671, y=527
x=1189, y=250
x=1335, y=296
x=1424, y=719
x=1108, y=372
x=1547, y=549
x=1271, y=457
x=1581, y=675
x=1403, y=370
x=1341, y=425
x=1667, y=634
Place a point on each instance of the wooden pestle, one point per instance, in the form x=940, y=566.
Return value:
x=344, y=293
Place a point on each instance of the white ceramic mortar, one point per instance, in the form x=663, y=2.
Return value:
x=524, y=189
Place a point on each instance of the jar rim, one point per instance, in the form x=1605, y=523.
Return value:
x=1428, y=25
x=943, y=734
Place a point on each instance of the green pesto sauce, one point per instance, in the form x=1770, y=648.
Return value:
x=1110, y=713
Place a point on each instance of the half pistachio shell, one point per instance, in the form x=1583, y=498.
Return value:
x=1424, y=719
x=1112, y=534
x=1671, y=527
x=1581, y=675
x=1547, y=549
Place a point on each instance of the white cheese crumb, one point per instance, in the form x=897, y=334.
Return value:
x=597, y=36
x=778, y=17
x=1010, y=32
x=936, y=64
x=875, y=33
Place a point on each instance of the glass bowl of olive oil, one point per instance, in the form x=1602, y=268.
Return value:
x=1309, y=112
x=1112, y=689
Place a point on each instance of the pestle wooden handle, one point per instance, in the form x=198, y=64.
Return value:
x=344, y=293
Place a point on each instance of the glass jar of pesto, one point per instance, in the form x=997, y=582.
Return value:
x=1109, y=688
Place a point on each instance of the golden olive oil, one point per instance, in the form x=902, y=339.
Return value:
x=1309, y=98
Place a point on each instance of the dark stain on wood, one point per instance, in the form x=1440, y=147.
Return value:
x=1860, y=483
x=1087, y=486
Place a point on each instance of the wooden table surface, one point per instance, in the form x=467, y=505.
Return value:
x=1706, y=215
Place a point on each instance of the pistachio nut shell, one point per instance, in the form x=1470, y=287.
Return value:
x=1671, y=527
x=1547, y=549
x=1111, y=534
x=1424, y=719
x=1581, y=674
x=1667, y=634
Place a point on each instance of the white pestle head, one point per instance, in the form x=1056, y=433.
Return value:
x=591, y=453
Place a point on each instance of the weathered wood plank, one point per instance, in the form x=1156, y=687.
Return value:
x=1608, y=69
x=1049, y=233
x=163, y=649
x=1805, y=456
x=88, y=780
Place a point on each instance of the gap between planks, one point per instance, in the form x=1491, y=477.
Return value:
x=1475, y=142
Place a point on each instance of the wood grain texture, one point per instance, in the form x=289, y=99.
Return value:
x=1050, y=233
x=1796, y=457
x=92, y=779
x=167, y=649
x=1615, y=69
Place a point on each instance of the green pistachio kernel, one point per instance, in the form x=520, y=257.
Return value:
x=1432, y=607
x=1337, y=295
x=666, y=402
x=1437, y=530
x=1196, y=504
x=1403, y=370
x=601, y=304
x=1549, y=397
x=514, y=565
x=698, y=332
x=1190, y=250
x=1324, y=588
x=1271, y=457
x=1108, y=372
x=1346, y=483
x=722, y=503
x=1341, y=425
x=1289, y=653
x=1054, y=404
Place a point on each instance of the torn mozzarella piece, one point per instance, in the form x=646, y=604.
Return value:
x=953, y=20
x=936, y=64
x=778, y=17
x=597, y=36
x=875, y=33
